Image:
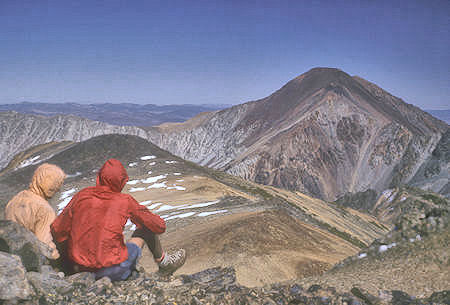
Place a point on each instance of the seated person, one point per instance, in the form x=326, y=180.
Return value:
x=30, y=207
x=92, y=225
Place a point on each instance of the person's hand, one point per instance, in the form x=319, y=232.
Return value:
x=55, y=254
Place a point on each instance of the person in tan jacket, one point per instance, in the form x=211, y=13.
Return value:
x=30, y=207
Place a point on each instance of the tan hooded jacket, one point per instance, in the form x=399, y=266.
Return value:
x=30, y=207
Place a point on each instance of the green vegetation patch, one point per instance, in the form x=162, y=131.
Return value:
x=344, y=235
x=435, y=199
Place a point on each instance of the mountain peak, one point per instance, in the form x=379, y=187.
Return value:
x=324, y=73
x=323, y=70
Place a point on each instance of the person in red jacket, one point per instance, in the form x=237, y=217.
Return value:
x=91, y=226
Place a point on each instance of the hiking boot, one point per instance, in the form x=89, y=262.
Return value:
x=172, y=262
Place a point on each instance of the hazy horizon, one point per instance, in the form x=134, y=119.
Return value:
x=217, y=52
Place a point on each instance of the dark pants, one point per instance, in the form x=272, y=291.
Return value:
x=151, y=239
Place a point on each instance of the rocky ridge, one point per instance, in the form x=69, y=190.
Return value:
x=19, y=132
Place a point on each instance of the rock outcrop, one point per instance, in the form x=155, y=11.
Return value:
x=13, y=282
x=17, y=240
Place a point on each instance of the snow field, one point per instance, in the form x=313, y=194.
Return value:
x=66, y=197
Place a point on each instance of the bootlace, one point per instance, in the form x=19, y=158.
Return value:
x=174, y=257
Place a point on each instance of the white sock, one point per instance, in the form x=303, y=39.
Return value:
x=165, y=260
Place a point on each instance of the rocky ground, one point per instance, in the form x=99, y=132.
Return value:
x=25, y=278
x=247, y=244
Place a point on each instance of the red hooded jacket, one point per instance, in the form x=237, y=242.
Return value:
x=93, y=221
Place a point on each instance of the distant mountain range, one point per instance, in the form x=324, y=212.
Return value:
x=125, y=114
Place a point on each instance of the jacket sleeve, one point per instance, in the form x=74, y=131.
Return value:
x=45, y=219
x=60, y=228
x=142, y=217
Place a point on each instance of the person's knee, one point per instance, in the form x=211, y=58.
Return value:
x=138, y=241
x=143, y=233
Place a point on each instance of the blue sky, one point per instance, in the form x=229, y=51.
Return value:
x=218, y=52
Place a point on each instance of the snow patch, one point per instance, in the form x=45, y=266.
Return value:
x=180, y=216
x=386, y=247
x=199, y=205
x=73, y=175
x=63, y=204
x=152, y=163
x=136, y=189
x=171, y=162
x=167, y=207
x=362, y=255
x=204, y=214
x=28, y=162
x=144, y=158
x=382, y=248
x=66, y=194
x=418, y=238
x=132, y=164
x=153, y=179
x=177, y=174
x=133, y=182
x=181, y=180
x=145, y=202
x=158, y=185
x=155, y=205
x=389, y=194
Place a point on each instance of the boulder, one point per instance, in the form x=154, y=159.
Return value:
x=13, y=282
x=16, y=239
x=48, y=281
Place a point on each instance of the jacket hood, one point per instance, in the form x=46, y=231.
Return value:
x=113, y=175
x=47, y=180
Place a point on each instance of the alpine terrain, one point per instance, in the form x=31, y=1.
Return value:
x=246, y=243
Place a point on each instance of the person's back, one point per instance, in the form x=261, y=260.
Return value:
x=93, y=222
x=30, y=207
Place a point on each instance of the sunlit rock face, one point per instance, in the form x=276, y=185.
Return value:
x=324, y=133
